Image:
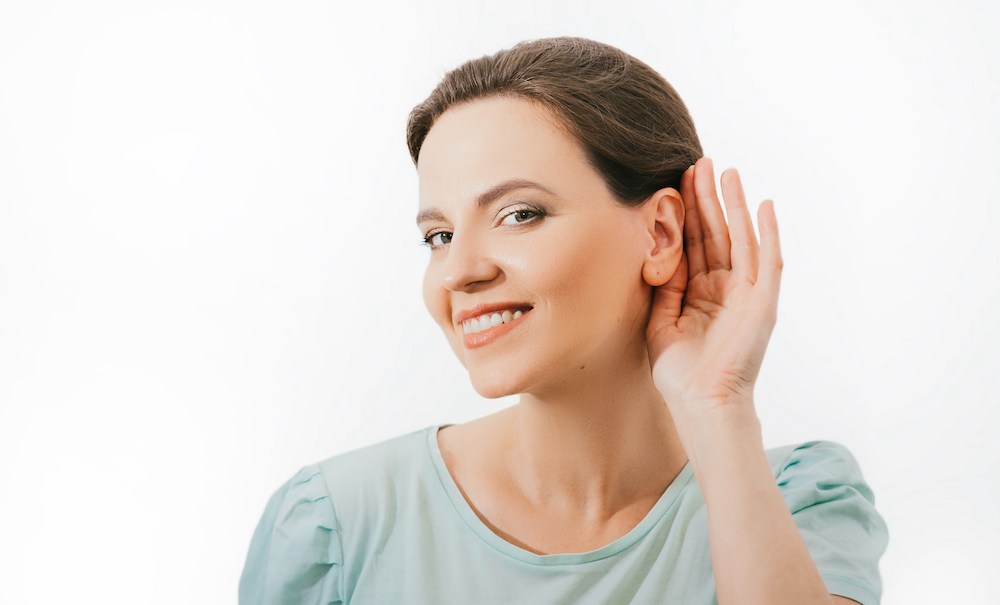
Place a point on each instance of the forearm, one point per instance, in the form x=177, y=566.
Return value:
x=758, y=555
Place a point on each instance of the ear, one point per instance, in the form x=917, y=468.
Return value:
x=664, y=219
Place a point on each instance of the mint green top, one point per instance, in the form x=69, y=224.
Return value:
x=387, y=524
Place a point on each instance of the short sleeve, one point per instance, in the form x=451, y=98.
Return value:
x=295, y=555
x=834, y=509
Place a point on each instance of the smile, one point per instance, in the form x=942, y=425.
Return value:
x=490, y=320
x=487, y=328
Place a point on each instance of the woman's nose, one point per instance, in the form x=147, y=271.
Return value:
x=467, y=264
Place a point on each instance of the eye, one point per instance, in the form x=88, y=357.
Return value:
x=429, y=240
x=522, y=215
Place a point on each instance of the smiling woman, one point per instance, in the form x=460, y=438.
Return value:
x=575, y=256
x=579, y=258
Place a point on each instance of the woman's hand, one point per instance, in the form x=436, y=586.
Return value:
x=710, y=324
x=707, y=334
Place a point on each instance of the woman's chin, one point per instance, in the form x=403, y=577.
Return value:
x=492, y=386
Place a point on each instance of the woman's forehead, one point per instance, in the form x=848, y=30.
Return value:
x=478, y=144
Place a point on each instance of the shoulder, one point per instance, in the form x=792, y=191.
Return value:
x=364, y=470
x=834, y=509
x=368, y=486
x=377, y=466
x=817, y=464
x=781, y=458
x=297, y=551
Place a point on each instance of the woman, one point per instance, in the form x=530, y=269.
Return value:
x=579, y=257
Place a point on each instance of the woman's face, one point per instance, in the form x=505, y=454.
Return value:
x=563, y=247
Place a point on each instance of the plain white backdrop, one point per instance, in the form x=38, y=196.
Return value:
x=210, y=277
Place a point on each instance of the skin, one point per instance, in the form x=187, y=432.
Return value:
x=646, y=337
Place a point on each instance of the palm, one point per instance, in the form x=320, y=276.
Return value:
x=710, y=324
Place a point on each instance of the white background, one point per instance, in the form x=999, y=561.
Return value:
x=210, y=277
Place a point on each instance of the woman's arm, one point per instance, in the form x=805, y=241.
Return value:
x=758, y=555
x=706, y=339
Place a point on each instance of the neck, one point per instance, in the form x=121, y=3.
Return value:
x=596, y=442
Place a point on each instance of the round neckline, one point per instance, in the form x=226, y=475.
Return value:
x=669, y=497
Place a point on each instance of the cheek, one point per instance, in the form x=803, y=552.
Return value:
x=432, y=296
x=436, y=300
x=583, y=257
x=589, y=273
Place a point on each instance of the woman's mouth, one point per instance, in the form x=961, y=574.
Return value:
x=486, y=328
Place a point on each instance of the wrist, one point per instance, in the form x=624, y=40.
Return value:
x=719, y=433
x=706, y=418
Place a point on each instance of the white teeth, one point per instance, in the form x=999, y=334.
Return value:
x=489, y=320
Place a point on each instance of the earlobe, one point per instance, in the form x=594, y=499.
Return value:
x=665, y=224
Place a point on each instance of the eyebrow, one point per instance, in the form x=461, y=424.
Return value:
x=486, y=198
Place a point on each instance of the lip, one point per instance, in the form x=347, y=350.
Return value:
x=487, y=336
x=490, y=308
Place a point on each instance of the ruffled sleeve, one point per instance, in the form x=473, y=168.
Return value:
x=834, y=509
x=295, y=555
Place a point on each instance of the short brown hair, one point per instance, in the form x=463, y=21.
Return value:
x=633, y=126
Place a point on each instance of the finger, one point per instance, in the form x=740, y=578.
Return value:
x=713, y=224
x=771, y=263
x=669, y=296
x=742, y=237
x=692, y=225
x=667, y=302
